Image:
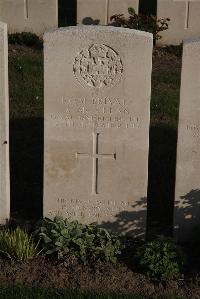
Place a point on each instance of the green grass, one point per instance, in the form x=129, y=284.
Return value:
x=18, y=245
x=26, y=84
x=165, y=97
x=19, y=292
x=162, y=150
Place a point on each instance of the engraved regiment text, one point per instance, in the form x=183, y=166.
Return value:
x=95, y=113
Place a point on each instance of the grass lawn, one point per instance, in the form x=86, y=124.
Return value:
x=163, y=140
x=19, y=292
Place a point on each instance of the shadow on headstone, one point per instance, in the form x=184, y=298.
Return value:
x=90, y=21
x=187, y=228
x=188, y=214
x=130, y=222
x=26, y=168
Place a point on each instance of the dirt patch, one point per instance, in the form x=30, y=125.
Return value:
x=103, y=277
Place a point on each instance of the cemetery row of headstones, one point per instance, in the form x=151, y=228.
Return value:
x=38, y=15
x=97, y=112
x=99, y=12
x=184, y=20
x=35, y=16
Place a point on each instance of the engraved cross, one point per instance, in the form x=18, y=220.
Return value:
x=187, y=11
x=95, y=159
x=26, y=9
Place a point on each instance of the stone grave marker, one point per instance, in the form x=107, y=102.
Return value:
x=97, y=110
x=4, y=127
x=98, y=12
x=187, y=195
x=184, y=20
x=34, y=16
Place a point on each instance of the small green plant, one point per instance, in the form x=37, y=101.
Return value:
x=161, y=259
x=18, y=245
x=24, y=38
x=87, y=242
x=148, y=23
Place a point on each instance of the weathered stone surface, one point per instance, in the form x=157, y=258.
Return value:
x=4, y=127
x=97, y=110
x=34, y=16
x=184, y=20
x=187, y=195
x=94, y=12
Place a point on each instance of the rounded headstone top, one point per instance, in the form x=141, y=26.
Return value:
x=82, y=29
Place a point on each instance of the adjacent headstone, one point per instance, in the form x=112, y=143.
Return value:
x=4, y=127
x=97, y=110
x=184, y=20
x=35, y=16
x=95, y=12
x=187, y=195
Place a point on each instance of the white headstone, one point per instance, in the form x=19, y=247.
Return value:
x=187, y=195
x=97, y=110
x=4, y=127
x=98, y=12
x=34, y=16
x=184, y=20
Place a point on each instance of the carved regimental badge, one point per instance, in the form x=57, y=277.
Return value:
x=97, y=67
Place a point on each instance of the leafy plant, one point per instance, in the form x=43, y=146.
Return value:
x=18, y=245
x=24, y=38
x=86, y=242
x=161, y=259
x=148, y=23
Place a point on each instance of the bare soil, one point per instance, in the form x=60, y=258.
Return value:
x=105, y=277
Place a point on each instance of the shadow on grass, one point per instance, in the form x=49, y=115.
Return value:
x=26, y=167
x=131, y=222
x=162, y=166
